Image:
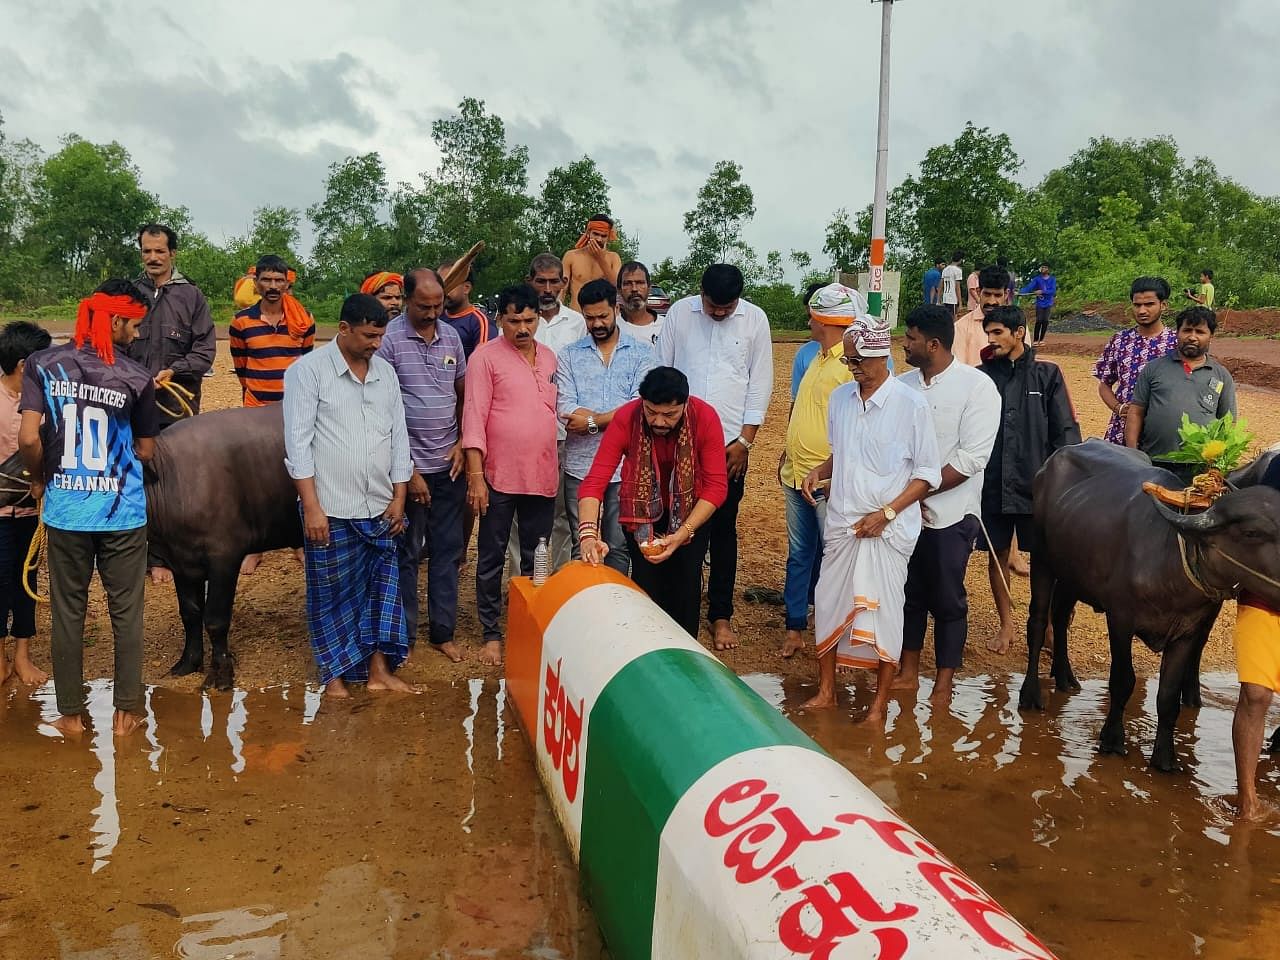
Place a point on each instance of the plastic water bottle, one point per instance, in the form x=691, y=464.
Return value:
x=541, y=562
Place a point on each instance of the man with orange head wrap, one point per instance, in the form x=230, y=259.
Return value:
x=388, y=289
x=591, y=259
x=89, y=420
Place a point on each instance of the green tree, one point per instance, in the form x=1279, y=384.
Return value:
x=350, y=236
x=477, y=193
x=88, y=207
x=1146, y=171
x=847, y=243
x=570, y=196
x=725, y=206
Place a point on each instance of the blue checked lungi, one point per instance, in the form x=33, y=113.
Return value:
x=353, y=600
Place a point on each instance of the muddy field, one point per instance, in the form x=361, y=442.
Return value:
x=269, y=634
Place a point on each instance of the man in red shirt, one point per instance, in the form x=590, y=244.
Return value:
x=671, y=447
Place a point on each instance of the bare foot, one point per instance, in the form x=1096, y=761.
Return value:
x=1000, y=642
x=69, y=726
x=250, y=564
x=793, y=644
x=336, y=689
x=905, y=681
x=875, y=716
x=1018, y=565
x=300, y=555
x=161, y=575
x=722, y=636
x=823, y=700
x=389, y=682
x=124, y=723
x=449, y=649
x=6, y=671
x=29, y=673
x=491, y=654
x=1257, y=811
x=941, y=695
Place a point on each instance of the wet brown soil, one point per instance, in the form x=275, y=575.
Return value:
x=270, y=826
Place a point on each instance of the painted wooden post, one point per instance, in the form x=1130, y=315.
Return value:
x=704, y=823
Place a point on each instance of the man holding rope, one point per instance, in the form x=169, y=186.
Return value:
x=89, y=422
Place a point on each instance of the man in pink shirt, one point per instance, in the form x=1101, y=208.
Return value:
x=18, y=340
x=971, y=339
x=509, y=435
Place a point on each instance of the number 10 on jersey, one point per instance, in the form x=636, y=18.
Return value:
x=92, y=424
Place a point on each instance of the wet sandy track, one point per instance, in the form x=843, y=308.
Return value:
x=269, y=826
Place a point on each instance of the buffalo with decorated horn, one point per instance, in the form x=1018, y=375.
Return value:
x=1156, y=574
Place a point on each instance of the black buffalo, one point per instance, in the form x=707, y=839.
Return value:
x=217, y=491
x=1156, y=574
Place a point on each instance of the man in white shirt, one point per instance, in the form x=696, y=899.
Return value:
x=884, y=461
x=558, y=326
x=966, y=416
x=953, y=283
x=722, y=344
x=637, y=319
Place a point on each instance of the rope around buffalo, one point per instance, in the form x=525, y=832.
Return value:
x=181, y=394
x=32, y=562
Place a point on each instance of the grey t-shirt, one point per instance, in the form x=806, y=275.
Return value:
x=1167, y=391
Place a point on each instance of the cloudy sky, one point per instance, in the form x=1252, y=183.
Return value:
x=227, y=106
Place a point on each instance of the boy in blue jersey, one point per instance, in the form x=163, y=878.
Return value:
x=89, y=420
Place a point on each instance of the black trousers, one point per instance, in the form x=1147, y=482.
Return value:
x=436, y=529
x=1042, y=324
x=675, y=585
x=722, y=539
x=935, y=585
x=17, y=609
x=535, y=515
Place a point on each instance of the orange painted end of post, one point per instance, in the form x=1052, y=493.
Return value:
x=530, y=610
x=877, y=251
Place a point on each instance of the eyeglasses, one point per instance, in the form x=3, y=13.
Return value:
x=852, y=361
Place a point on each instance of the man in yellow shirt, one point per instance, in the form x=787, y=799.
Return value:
x=1204, y=296
x=831, y=309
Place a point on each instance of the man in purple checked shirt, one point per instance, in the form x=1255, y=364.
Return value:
x=1130, y=350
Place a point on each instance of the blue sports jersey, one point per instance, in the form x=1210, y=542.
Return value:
x=92, y=411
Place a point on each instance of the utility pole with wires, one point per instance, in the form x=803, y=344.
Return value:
x=875, y=283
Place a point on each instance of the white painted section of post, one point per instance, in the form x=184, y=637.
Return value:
x=882, y=128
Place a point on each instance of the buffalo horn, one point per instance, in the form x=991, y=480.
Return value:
x=1200, y=523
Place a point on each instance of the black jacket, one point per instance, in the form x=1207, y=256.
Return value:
x=176, y=335
x=1037, y=418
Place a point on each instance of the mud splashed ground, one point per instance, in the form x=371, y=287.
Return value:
x=267, y=826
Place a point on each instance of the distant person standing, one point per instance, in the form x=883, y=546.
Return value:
x=388, y=289
x=952, y=282
x=971, y=288
x=460, y=313
x=270, y=336
x=638, y=319
x=1128, y=351
x=970, y=338
x=176, y=341
x=721, y=343
x=933, y=281
x=1044, y=285
x=591, y=259
x=1188, y=381
x=1012, y=285
x=1205, y=294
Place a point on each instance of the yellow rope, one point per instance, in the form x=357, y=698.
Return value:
x=32, y=562
x=181, y=394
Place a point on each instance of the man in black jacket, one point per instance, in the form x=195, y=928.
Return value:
x=176, y=341
x=1036, y=418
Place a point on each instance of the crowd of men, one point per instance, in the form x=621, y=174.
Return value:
x=602, y=430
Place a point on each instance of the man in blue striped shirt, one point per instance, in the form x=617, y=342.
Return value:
x=595, y=376
x=430, y=362
x=347, y=450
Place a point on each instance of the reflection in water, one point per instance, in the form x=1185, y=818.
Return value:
x=106, y=824
x=475, y=686
x=236, y=720
x=241, y=933
x=149, y=728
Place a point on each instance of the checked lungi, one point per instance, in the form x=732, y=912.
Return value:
x=353, y=600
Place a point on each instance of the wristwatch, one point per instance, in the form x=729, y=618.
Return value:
x=744, y=441
x=889, y=513
x=591, y=425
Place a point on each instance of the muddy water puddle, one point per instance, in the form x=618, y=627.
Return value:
x=265, y=825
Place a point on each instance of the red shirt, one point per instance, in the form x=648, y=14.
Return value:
x=711, y=477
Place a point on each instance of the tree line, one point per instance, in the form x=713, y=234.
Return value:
x=1117, y=209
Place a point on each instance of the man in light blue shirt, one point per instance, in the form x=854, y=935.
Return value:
x=347, y=450
x=595, y=376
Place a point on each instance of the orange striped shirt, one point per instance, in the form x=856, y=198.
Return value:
x=261, y=351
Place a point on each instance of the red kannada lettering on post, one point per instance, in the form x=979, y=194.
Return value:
x=836, y=908
x=562, y=730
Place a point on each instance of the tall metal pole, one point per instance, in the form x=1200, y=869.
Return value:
x=875, y=298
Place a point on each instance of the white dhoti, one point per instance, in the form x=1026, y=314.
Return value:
x=858, y=601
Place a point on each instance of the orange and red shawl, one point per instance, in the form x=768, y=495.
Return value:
x=602, y=225
x=93, y=321
x=640, y=503
x=377, y=281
